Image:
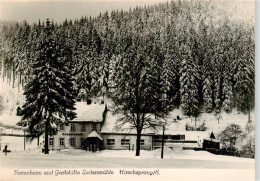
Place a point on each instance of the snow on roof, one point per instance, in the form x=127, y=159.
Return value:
x=110, y=123
x=170, y=129
x=92, y=112
x=94, y=134
x=9, y=121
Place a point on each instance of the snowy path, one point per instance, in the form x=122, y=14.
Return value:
x=124, y=159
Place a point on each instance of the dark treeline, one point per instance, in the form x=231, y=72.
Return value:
x=200, y=57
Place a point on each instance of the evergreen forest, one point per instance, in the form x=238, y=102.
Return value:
x=194, y=55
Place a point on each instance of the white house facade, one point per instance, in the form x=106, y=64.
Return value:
x=82, y=132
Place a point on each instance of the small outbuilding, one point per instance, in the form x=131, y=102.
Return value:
x=211, y=143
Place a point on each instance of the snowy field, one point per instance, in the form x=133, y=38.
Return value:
x=33, y=158
x=177, y=165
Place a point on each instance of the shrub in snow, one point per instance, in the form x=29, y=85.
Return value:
x=230, y=137
x=248, y=150
x=248, y=145
x=201, y=127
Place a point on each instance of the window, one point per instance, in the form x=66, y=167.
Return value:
x=94, y=127
x=125, y=142
x=72, y=127
x=72, y=141
x=83, y=127
x=156, y=137
x=182, y=137
x=141, y=142
x=110, y=141
x=51, y=141
x=61, y=141
x=82, y=141
x=165, y=137
x=61, y=127
x=176, y=137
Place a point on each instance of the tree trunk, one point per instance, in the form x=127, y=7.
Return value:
x=46, y=145
x=9, y=76
x=249, y=121
x=162, y=142
x=249, y=115
x=138, y=141
x=18, y=81
x=13, y=75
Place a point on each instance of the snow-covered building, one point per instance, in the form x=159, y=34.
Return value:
x=211, y=142
x=9, y=129
x=84, y=131
x=94, y=130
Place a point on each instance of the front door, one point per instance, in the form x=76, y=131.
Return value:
x=93, y=147
x=93, y=144
x=90, y=147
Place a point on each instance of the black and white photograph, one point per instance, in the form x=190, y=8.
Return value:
x=127, y=90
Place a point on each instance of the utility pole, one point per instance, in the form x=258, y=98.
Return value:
x=24, y=139
x=162, y=141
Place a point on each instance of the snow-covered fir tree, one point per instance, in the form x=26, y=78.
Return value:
x=227, y=81
x=82, y=64
x=244, y=75
x=189, y=84
x=170, y=70
x=49, y=100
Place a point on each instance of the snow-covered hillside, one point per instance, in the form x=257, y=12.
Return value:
x=12, y=97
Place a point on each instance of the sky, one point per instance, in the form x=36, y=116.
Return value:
x=59, y=10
